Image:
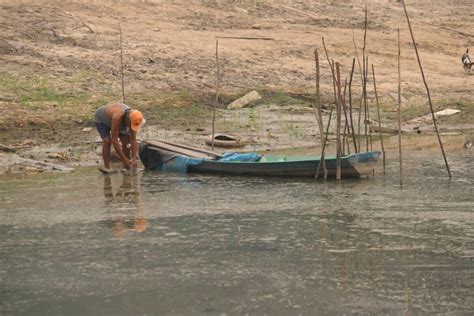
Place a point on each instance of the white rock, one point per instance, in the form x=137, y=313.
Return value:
x=245, y=100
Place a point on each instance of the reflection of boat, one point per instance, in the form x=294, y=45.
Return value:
x=172, y=157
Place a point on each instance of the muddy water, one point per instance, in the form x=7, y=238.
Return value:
x=157, y=244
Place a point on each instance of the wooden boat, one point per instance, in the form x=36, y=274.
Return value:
x=172, y=157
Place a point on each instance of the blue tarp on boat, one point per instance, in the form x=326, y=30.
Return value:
x=180, y=164
x=238, y=157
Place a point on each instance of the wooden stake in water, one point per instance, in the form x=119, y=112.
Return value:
x=368, y=110
x=364, y=84
x=427, y=90
x=338, y=123
x=325, y=142
x=319, y=117
x=362, y=92
x=378, y=118
x=217, y=94
x=331, y=65
x=346, y=120
x=350, y=107
x=121, y=65
x=399, y=114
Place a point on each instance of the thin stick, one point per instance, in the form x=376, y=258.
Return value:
x=364, y=84
x=359, y=134
x=399, y=114
x=357, y=54
x=368, y=112
x=330, y=64
x=346, y=119
x=325, y=141
x=427, y=90
x=319, y=114
x=217, y=93
x=247, y=38
x=365, y=31
x=362, y=91
x=338, y=123
x=448, y=29
x=378, y=118
x=121, y=65
x=350, y=106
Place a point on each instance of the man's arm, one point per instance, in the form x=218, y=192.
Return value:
x=114, y=134
x=134, y=143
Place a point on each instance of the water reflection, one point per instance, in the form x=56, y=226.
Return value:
x=161, y=244
x=124, y=199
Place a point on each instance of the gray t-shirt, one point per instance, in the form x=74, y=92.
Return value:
x=100, y=116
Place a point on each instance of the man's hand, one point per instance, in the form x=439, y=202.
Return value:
x=134, y=163
x=127, y=164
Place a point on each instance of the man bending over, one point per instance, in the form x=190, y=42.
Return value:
x=116, y=122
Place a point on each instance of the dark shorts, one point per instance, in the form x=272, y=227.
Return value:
x=104, y=130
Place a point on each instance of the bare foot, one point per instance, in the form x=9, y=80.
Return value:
x=106, y=170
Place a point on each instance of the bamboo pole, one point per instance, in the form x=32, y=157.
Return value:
x=378, y=118
x=399, y=114
x=338, y=123
x=325, y=142
x=121, y=65
x=364, y=84
x=359, y=133
x=368, y=110
x=427, y=90
x=350, y=106
x=319, y=117
x=362, y=93
x=346, y=119
x=331, y=65
x=217, y=94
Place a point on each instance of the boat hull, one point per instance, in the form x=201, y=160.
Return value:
x=349, y=168
x=352, y=166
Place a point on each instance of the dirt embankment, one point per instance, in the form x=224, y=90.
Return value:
x=59, y=60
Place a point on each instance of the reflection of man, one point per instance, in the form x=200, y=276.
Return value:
x=126, y=198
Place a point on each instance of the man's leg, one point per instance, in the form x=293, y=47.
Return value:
x=104, y=132
x=106, y=144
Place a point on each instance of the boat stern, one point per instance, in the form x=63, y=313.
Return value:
x=364, y=163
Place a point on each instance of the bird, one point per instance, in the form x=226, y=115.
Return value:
x=467, y=144
x=466, y=61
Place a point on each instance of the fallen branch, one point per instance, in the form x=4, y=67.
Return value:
x=247, y=38
x=83, y=24
x=386, y=130
x=299, y=11
x=11, y=149
x=44, y=165
x=447, y=28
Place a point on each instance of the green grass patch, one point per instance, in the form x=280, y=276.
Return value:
x=284, y=98
x=173, y=116
x=466, y=116
x=39, y=92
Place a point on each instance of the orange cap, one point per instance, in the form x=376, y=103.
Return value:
x=136, y=119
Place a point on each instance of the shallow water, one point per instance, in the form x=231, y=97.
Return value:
x=155, y=244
